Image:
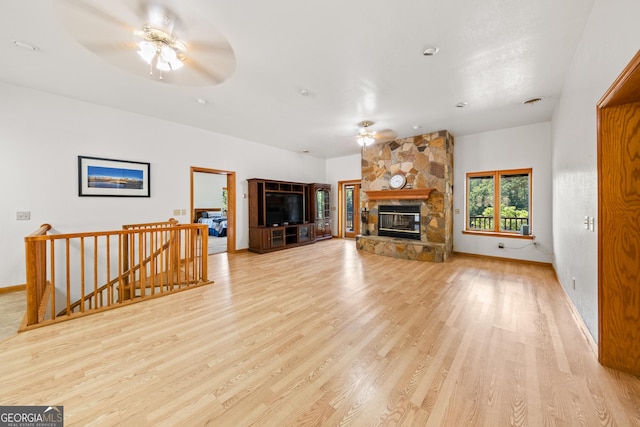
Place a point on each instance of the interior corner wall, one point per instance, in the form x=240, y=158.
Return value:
x=609, y=42
x=42, y=136
x=513, y=148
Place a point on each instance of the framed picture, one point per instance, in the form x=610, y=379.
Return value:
x=113, y=178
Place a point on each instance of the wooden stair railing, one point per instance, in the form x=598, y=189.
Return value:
x=109, y=287
x=165, y=257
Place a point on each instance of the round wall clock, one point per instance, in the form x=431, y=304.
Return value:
x=397, y=181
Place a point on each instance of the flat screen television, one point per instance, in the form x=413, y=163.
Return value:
x=283, y=208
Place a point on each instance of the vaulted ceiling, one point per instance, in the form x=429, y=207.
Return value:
x=303, y=74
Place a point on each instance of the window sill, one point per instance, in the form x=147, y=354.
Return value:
x=498, y=234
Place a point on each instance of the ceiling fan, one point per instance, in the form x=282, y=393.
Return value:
x=367, y=136
x=178, y=48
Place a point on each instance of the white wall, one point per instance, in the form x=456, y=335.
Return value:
x=341, y=169
x=41, y=136
x=207, y=190
x=514, y=148
x=609, y=42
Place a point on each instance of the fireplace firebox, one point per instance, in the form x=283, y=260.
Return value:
x=399, y=221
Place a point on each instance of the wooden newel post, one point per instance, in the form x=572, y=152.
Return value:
x=32, y=281
x=36, y=272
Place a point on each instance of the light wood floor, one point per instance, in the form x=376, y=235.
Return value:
x=325, y=335
x=13, y=307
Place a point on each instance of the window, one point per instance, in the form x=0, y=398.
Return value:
x=509, y=191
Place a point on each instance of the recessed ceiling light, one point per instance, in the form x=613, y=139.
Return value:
x=430, y=50
x=531, y=101
x=461, y=104
x=415, y=127
x=201, y=101
x=304, y=92
x=25, y=46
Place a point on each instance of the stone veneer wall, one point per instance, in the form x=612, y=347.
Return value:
x=427, y=162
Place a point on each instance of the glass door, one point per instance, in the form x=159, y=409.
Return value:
x=351, y=204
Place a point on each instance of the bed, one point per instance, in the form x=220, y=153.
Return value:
x=214, y=219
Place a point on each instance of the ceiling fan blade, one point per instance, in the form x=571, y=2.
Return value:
x=115, y=47
x=209, y=73
x=218, y=48
x=386, y=135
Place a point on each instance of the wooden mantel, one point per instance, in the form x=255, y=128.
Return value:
x=409, y=194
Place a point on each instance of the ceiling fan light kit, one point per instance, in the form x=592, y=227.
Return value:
x=161, y=50
x=365, y=136
x=123, y=31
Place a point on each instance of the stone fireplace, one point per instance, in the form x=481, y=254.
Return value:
x=415, y=222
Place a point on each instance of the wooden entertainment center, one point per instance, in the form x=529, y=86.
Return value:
x=282, y=214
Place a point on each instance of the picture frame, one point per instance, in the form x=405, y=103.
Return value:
x=98, y=177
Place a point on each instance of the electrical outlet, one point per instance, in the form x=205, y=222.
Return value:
x=23, y=216
x=176, y=211
x=184, y=211
x=501, y=245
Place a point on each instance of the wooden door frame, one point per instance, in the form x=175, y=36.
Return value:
x=231, y=202
x=625, y=91
x=341, y=185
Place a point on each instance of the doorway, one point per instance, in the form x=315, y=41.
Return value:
x=619, y=229
x=230, y=202
x=349, y=204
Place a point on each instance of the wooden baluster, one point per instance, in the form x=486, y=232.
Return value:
x=188, y=256
x=204, y=236
x=152, y=264
x=95, y=273
x=108, y=271
x=142, y=271
x=68, y=276
x=82, y=278
x=132, y=250
x=52, y=258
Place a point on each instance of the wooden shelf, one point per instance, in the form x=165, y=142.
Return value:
x=410, y=194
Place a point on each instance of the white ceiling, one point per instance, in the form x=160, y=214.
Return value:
x=359, y=60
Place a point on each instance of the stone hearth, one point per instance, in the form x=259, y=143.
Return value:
x=427, y=163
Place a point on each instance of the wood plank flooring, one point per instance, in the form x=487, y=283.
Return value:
x=323, y=335
x=13, y=306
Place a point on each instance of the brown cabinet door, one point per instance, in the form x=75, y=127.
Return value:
x=322, y=210
x=273, y=238
x=277, y=237
x=303, y=233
